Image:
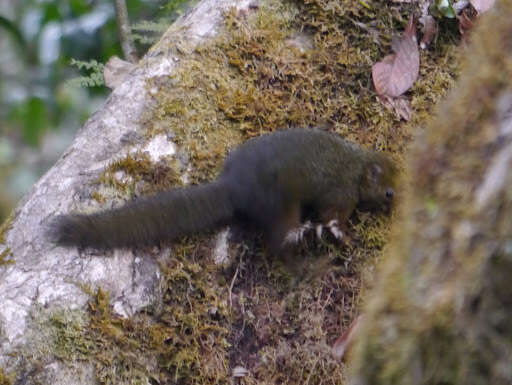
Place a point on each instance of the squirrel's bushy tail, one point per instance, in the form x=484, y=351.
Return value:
x=147, y=221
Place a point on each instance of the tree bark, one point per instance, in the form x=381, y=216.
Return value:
x=438, y=316
x=43, y=278
x=441, y=313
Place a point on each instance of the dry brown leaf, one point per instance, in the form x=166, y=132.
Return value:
x=343, y=343
x=396, y=73
x=429, y=30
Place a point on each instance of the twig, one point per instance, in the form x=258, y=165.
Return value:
x=123, y=28
x=231, y=286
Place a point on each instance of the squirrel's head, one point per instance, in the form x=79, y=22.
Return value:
x=376, y=190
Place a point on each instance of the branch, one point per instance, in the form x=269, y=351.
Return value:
x=123, y=27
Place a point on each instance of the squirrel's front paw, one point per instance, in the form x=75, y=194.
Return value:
x=333, y=227
x=297, y=235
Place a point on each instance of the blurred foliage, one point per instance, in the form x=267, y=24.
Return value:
x=148, y=31
x=39, y=109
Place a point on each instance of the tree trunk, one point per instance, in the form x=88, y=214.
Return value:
x=442, y=311
x=43, y=278
x=226, y=71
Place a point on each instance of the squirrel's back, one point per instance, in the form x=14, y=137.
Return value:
x=269, y=172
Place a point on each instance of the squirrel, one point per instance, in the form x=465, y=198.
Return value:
x=272, y=183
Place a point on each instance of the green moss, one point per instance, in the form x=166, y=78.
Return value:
x=5, y=379
x=137, y=173
x=98, y=197
x=6, y=253
x=5, y=227
x=184, y=341
x=71, y=338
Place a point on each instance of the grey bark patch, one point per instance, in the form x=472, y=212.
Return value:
x=45, y=276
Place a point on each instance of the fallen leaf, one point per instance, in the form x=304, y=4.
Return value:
x=396, y=73
x=343, y=343
x=429, y=30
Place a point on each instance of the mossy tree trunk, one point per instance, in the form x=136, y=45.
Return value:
x=226, y=71
x=442, y=313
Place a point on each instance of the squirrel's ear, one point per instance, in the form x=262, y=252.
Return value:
x=373, y=173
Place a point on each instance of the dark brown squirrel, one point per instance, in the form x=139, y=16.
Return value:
x=273, y=183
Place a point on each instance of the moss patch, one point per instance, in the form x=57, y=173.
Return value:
x=182, y=339
x=5, y=379
x=6, y=253
x=5, y=227
x=136, y=173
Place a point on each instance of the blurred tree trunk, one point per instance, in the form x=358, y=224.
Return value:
x=124, y=30
x=442, y=313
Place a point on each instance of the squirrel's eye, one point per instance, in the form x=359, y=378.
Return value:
x=389, y=193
